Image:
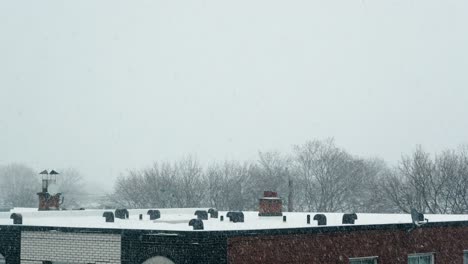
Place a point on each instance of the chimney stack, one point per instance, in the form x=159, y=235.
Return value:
x=48, y=201
x=270, y=204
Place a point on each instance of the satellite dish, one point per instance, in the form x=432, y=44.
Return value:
x=418, y=218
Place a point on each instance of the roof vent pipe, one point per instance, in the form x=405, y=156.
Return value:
x=235, y=217
x=349, y=218
x=109, y=217
x=121, y=213
x=213, y=213
x=154, y=214
x=321, y=219
x=203, y=215
x=197, y=224
x=17, y=219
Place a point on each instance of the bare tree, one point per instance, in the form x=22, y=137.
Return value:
x=326, y=178
x=274, y=174
x=459, y=186
x=191, y=186
x=128, y=191
x=230, y=185
x=371, y=195
x=149, y=188
x=19, y=185
x=433, y=185
x=330, y=176
x=160, y=183
x=70, y=183
x=180, y=184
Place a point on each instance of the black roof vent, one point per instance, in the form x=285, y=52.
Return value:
x=203, y=215
x=213, y=213
x=17, y=218
x=109, y=217
x=235, y=217
x=321, y=219
x=349, y=218
x=196, y=223
x=418, y=218
x=121, y=213
x=154, y=214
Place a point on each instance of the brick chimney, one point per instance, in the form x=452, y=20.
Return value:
x=48, y=201
x=270, y=204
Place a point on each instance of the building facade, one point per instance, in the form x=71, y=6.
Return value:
x=438, y=242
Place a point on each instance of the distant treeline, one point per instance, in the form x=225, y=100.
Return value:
x=316, y=176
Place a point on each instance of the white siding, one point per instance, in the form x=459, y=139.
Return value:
x=69, y=247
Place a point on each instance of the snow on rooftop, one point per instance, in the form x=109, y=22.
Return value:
x=177, y=219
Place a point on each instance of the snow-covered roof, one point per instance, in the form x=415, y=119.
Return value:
x=177, y=219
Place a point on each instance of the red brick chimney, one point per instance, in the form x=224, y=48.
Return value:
x=49, y=202
x=270, y=204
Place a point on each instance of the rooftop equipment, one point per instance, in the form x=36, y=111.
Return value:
x=349, y=218
x=48, y=201
x=213, y=213
x=321, y=219
x=270, y=204
x=197, y=224
x=154, y=214
x=203, y=215
x=17, y=219
x=121, y=213
x=418, y=218
x=235, y=217
x=109, y=217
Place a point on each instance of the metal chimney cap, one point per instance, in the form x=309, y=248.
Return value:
x=52, y=172
x=44, y=172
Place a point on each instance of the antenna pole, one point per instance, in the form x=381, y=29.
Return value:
x=290, y=192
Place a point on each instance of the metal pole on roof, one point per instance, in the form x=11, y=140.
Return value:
x=290, y=192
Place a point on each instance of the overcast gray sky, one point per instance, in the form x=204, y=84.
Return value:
x=105, y=86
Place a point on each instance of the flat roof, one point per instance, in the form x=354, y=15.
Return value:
x=177, y=219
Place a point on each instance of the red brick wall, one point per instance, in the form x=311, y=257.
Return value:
x=391, y=246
